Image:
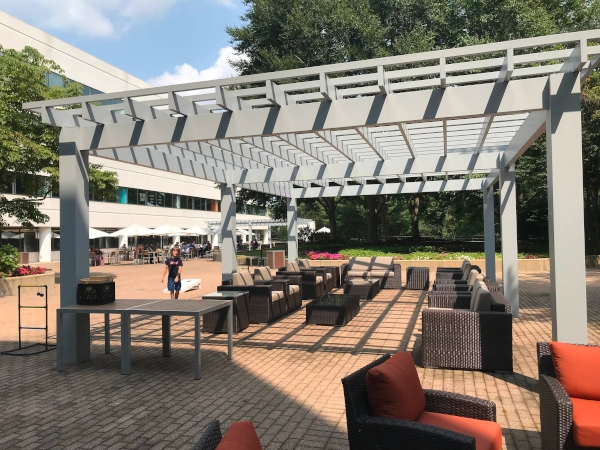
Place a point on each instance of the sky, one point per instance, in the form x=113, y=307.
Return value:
x=160, y=41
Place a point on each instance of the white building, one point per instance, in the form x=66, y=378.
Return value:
x=146, y=196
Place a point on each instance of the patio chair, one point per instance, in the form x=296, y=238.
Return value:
x=441, y=275
x=472, y=336
x=145, y=256
x=465, y=285
x=241, y=436
x=313, y=281
x=386, y=408
x=294, y=294
x=267, y=302
x=568, y=415
x=332, y=273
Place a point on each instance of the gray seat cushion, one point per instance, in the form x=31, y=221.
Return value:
x=381, y=273
x=383, y=263
x=358, y=273
x=360, y=263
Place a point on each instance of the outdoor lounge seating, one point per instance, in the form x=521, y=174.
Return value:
x=569, y=395
x=333, y=271
x=313, y=281
x=377, y=267
x=471, y=332
x=453, y=275
x=326, y=272
x=268, y=302
x=240, y=436
x=386, y=408
x=294, y=294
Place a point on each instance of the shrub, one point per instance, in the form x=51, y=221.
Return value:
x=9, y=260
x=28, y=270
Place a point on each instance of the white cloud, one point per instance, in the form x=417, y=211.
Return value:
x=185, y=73
x=94, y=18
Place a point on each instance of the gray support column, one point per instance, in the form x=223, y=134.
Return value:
x=508, y=228
x=45, y=238
x=292, y=223
x=250, y=233
x=489, y=233
x=565, y=210
x=75, y=245
x=228, y=221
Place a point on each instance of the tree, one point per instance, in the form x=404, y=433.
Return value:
x=28, y=148
x=330, y=204
x=277, y=205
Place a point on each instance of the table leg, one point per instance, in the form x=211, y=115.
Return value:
x=107, y=334
x=166, y=335
x=126, y=343
x=197, y=347
x=230, y=331
x=59, y=341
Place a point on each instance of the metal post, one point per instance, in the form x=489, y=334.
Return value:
x=228, y=221
x=292, y=223
x=565, y=210
x=489, y=233
x=508, y=229
x=74, y=250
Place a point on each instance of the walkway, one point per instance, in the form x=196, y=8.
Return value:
x=284, y=377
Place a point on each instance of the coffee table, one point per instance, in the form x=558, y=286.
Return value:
x=333, y=309
x=366, y=289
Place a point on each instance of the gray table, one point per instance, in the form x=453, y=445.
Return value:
x=164, y=308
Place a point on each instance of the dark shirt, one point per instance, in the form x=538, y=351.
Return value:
x=174, y=264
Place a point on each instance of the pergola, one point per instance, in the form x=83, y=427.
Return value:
x=449, y=120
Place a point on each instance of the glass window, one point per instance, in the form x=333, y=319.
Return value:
x=160, y=199
x=182, y=202
x=55, y=79
x=122, y=195
x=198, y=203
x=132, y=196
x=7, y=188
x=55, y=239
x=169, y=200
x=151, y=200
x=177, y=201
x=141, y=197
x=190, y=203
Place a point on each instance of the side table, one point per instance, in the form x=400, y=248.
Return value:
x=216, y=321
x=417, y=278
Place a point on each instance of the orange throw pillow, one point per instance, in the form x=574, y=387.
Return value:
x=577, y=368
x=488, y=435
x=394, y=388
x=240, y=436
x=586, y=426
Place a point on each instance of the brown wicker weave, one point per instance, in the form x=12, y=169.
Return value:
x=393, y=282
x=260, y=307
x=332, y=309
x=363, y=288
x=216, y=321
x=211, y=437
x=310, y=288
x=366, y=432
x=556, y=408
x=463, y=339
x=417, y=278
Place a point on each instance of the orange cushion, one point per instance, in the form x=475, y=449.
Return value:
x=240, y=436
x=577, y=368
x=586, y=422
x=394, y=388
x=488, y=435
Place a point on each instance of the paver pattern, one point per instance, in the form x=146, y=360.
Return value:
x=285, y=376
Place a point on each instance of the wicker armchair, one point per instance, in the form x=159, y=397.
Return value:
x=294, y=293
x=556, y=407
x=367, y=432
x=267, y=302
x=332, y=273
x=456, y=337
x=452, y=275
x=313, y=281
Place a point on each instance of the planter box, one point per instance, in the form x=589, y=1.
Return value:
x=10, y=286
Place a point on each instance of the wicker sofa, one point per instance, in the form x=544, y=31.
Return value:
x=368, y=432
x=556, y=407
x=313, y=281
x=380, y=268
x=268, y=299
x=472, y=332
x=294, y=294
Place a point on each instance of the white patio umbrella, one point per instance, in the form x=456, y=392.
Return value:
x=323, y=230
x=8, y=235
x=215, y=231
x=197, y=231
x=95, y=234
x=133, y=230
x=166, y=230
x=242, y=233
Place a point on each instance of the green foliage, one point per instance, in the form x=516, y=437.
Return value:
x=277, y=205
x=28, y=148
x=9, y=260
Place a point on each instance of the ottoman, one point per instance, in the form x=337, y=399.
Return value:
x=417, y=278
x=365, y=289
x=216, y=321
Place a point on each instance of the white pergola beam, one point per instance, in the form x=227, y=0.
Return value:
x=530, y=130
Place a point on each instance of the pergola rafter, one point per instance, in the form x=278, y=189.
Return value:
x=435, y=121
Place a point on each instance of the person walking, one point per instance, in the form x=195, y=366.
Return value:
x=173, y=265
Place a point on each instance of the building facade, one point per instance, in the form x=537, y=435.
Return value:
x=146, y=196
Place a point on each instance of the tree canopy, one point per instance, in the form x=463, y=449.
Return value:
x=29, y=148
x=286, y=34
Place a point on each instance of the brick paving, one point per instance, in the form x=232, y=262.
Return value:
x=285, y=376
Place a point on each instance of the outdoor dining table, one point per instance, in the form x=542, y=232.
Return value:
x=164, y=308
